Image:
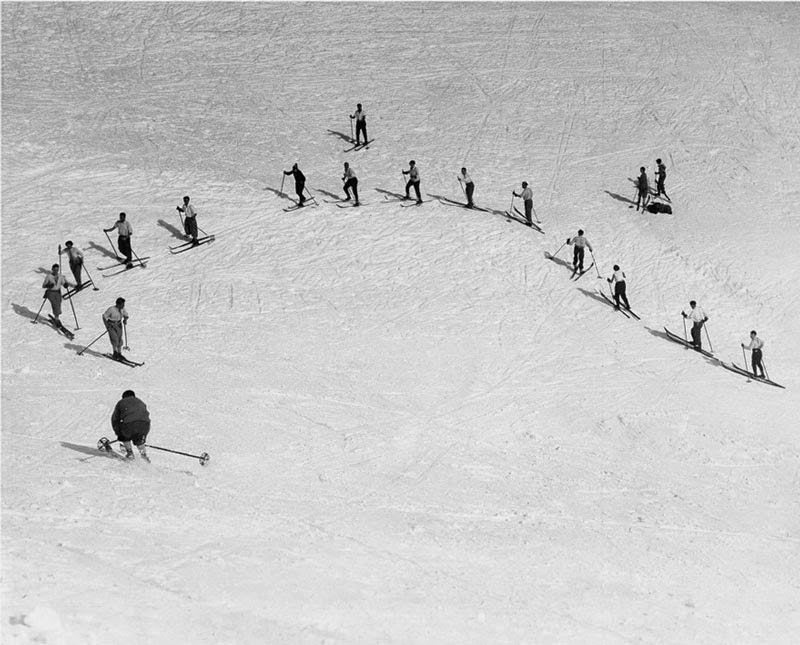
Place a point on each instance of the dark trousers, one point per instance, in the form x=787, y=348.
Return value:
x=697, y=335
x=577, y=258
x=76, y=268
x=190, y=226
x=619, y=293
x=351, y=183
x=756, y=359
x=361, y=127
x=54, y=296
x=642, y=198
x=299, y=188
x=660, y=187
x=528, y=211
x=135, y=431
x=470, y=189
x=415, y=184
x=124, y=244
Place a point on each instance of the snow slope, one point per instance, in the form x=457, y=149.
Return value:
x=420, y=430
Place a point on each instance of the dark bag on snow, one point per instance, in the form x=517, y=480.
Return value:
x=658, y=207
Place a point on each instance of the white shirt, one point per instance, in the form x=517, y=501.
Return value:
x=618, y=276
x=465, y=178
x=696, y=315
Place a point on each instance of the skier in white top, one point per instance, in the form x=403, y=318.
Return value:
x=580, y=243
x=527, y=199
x=413, y=180
x=124, y=232
x=350, y=182
x=469, y=186
x=698, y=318
x=618, y=280
x=189, y=219
x=756, y=346
x=361, y=124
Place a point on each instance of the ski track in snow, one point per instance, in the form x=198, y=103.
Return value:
x=420, y=429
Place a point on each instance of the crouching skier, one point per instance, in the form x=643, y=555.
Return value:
x=131, y=423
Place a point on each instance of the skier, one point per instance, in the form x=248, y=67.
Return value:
x=299, y=183
x=756, y=345
x=361, y=124
x=131, y=423
x=698, y=318
x=52, y=285
x=580, y=243
x=469, y=186
x=661, y=175
x=75, y=258
x=618, y=280
x=350, y=181
x=124, y=232
x=189, y=219
x=527, y=198
x=642, y=189
x=413, y=180
x=114, y=318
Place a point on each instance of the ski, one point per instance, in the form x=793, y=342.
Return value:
x=72, y=292
x=113, y=266
x=297, y=207
x=349, y=205
x=127, y=268
x=189, y=247
x=513, y=216
x=452, y=202
x=59, y=327
x=420, y=203
x=577, y=275
x=124, y=361
x=205, y=238
x=334, y=201
x=613, y=304
x=733, y=367
x=682, y=341
x=359, y=146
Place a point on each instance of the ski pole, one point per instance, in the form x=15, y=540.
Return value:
x=460, y=183
x=74, y=315
x=137, y=259
x=180, y=217
x=766, y=373
x=104, y=444
x=684, y=329
x=283, y=178
x=125, y=329
x=203, y=457
x=44, y=297
x=94, y=286
x=710, y=346
x=113, y=248
x=310, y=196
x=744, y=358
x=552, y=255
x=352, y=135
x=511, y=208
x=93, y=342
x=535, y=214
x=595, y=264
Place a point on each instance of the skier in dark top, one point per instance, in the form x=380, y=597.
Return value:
x=299, y=183
x=131, y=423
x=642, y=189
x=350, y=183
x=361, y=123
x=661, y=175
x=413, y=180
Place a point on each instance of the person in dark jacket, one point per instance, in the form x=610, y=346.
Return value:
x=299, y=183
x=642, y=189
x=131, y=423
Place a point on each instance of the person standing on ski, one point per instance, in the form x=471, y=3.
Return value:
x=189, y=219
x=642, y=189
x=299, y=183
x=469, y=186
x=580, y=243
x=698, y=318
x=124, y=233
x=114, y=319
x=75, y=258
x=52, y=285
x=413, y=180
x=350, y=182
x=618, y=280
x=661, y=175
x=756, y=346
x=131, y=423
x=527, y=199
x=361, y=123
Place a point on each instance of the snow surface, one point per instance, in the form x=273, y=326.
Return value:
x=420, y=430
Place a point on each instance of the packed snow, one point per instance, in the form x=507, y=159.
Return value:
x=420, y=429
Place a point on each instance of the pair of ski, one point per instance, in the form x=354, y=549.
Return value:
x=623, y=310
x=59, y=327
x=124, y=361
x=404, y=201
x=140, y=262
x=72, y=292
x=577, y=275
x=187, y=246
x=311, y=201
x=344, y=203
x=104, y=446
x=733, y=367
x=359, y=146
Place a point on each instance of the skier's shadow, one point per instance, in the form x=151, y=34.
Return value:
x=593, y=295
x=660, y=334
x=619, y=197
x=390, y=193
x=172, y=229
x=89, y=352
x=329, y=194
x=558, y=260
x=23, y=311
x=341, y=135
x=87, y=450
x=279, y=193
x=103, y=250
